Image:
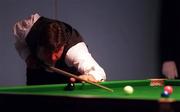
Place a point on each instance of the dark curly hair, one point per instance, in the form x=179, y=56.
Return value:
x=52, y=37
x=47, y=33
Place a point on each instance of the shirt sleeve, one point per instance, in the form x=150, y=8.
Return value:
x=79, y=57
x=22, y=49
x=20, y=31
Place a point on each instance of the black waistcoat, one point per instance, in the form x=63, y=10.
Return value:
x=41, y=76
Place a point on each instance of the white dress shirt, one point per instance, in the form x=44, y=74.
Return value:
x=80, y=57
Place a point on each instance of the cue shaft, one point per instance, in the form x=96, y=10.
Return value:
x=78, y=78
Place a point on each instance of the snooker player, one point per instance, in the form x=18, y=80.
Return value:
x=57, y=44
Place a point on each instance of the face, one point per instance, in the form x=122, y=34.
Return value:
x=50, y=57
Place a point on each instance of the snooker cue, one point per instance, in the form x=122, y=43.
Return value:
x=76, y=77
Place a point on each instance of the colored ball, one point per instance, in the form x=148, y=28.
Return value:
x=128, y=89
x=169, y=89
x=164, y=94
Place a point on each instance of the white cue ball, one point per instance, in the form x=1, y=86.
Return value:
x=128, y=89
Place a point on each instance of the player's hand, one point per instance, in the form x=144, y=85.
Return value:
x=88, y=78
x=169, y=69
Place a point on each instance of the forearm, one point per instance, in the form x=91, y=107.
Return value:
x=79, y=57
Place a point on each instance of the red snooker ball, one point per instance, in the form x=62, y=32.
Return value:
x=169, y=89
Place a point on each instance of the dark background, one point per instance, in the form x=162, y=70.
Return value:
x=170, y=31
x=123, y=35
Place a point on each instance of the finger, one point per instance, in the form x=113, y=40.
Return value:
x=176, y=73
x=72, y=80
x=171, y=76
x=90, y=78
x=84, y=77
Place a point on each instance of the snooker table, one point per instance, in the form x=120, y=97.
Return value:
x=87, y=97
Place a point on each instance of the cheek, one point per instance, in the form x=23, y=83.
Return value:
x=54, y=57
